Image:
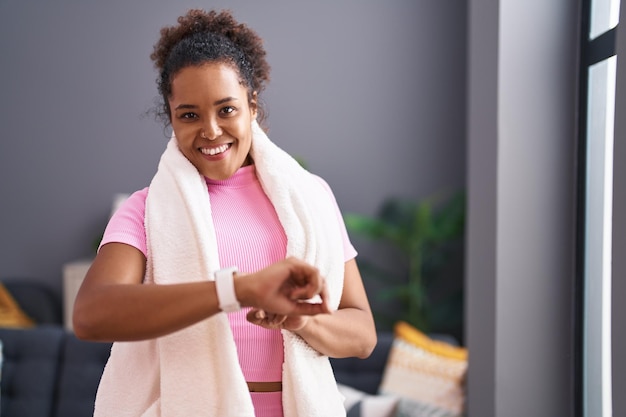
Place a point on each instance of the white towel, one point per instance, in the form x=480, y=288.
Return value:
x=195, y=372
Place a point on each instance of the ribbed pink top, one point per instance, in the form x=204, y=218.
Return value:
x=250, y=236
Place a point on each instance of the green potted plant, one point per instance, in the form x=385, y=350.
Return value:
x=423, y=233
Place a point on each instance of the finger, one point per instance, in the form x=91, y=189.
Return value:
x=276, y=319
x=324, y=295
x=303, y=274
x=311, y=309
x=256, y=314
x=258, y=318
x=311, y=290
x=302, y=293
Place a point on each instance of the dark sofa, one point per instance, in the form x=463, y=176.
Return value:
x=48, y=372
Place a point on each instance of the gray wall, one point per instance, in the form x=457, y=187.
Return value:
x=522, y=80
x=370, y=93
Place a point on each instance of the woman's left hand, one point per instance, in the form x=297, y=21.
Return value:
x=345, y=332
x=276, y=321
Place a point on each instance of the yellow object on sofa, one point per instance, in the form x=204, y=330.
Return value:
x=11, y=315
x=429, y=373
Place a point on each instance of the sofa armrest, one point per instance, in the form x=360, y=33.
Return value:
x=30, y=370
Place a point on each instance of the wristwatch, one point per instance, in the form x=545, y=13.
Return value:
x=225, y=286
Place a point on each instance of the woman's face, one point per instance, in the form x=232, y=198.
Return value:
x=212, y=118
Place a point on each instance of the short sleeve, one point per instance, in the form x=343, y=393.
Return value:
x=127, y=223
x=349, y=252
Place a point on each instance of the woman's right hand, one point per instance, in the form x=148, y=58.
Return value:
x=285, y=288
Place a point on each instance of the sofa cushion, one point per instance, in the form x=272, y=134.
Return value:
x=11, y=314
x=428, y=374
x=80, y=371
x=362, y=404
x=29, y=370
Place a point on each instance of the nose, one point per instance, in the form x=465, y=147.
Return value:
x=212, y=130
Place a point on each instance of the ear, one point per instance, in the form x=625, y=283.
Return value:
x=253, y=105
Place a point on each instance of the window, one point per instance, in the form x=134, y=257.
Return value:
x=598, y=76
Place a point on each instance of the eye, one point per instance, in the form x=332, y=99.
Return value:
x=188, y=116
x=228, y=110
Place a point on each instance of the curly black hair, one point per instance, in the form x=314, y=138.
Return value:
x=201, y=37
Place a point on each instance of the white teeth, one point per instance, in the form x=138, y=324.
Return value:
x=215, y=151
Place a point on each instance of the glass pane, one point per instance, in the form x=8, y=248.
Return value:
x=604, y=16
x=599, y=195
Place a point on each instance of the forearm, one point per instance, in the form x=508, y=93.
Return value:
x=113, y=305
x=347, y=332
x=129, y=312
x=135, y=311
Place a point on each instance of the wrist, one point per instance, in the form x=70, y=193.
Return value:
x=304, y=326
x=242, y=289
x=225, y=288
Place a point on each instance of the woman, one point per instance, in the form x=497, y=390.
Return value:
x=232, y=224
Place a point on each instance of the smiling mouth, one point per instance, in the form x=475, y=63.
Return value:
x=217, y=150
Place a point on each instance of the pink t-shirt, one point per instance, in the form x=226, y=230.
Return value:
x=250, y=236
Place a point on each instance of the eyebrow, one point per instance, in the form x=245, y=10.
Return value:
x=224, y=100
x=216, y=103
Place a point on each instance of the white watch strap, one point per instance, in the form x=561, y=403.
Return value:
x=225, y=286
